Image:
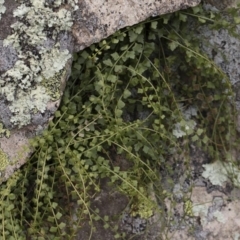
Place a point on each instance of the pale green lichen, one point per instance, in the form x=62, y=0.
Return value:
x=27, y=104
x=183, y=128
x=21, y=11
x=56, y=59
x=236, y=236
x=219, y=217
x=2, y=8
x=201, y=210
x=4, y=162
x=42, y=60
x=219, y=173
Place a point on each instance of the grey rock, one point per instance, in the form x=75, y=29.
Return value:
x=8, y=57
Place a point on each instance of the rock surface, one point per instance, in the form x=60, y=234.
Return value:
x=37, y=40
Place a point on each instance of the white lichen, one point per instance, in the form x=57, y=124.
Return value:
x=38, y=3
x=2, y=8
x=183, y=128
x=236, y=236
x=21, y=11
x=187, y=125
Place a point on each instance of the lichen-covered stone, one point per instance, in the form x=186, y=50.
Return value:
x=38, y=62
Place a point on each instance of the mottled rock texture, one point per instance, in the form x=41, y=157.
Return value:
x=98, y=19
x=222, y=4
x=37, y=39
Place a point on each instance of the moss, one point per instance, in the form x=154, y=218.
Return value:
x=3, y=131
x=53, y=85
x=3, y=160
